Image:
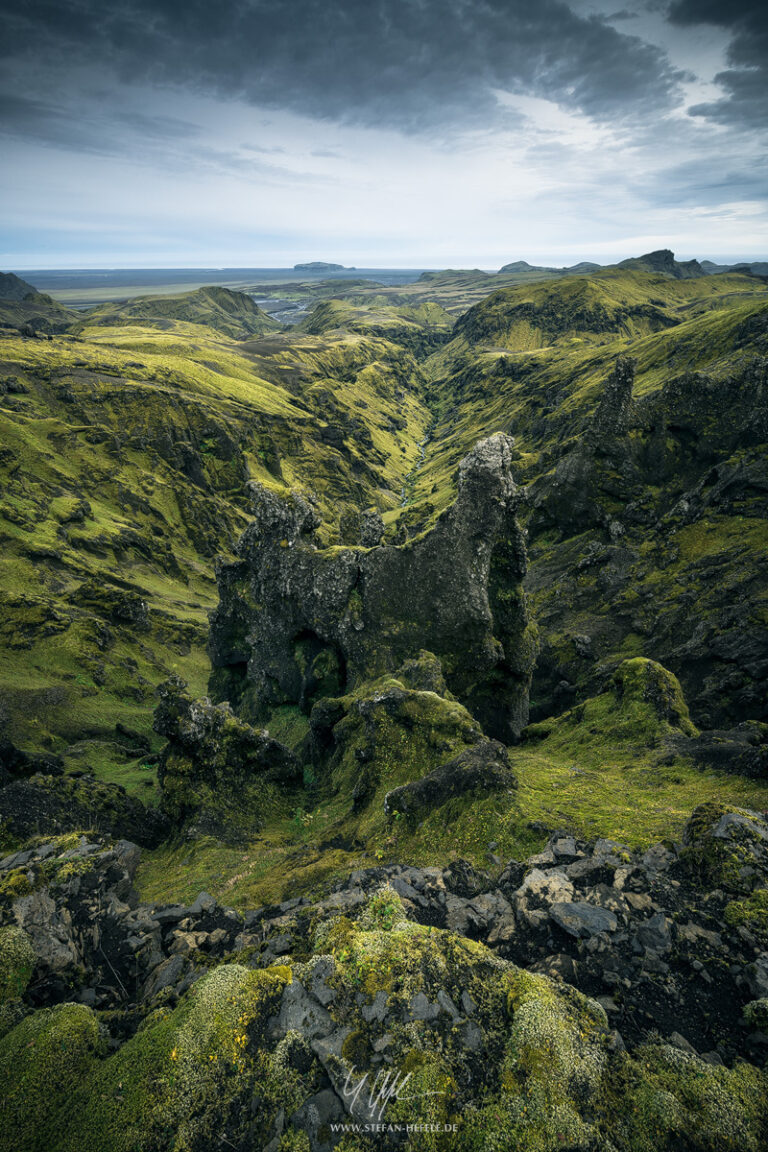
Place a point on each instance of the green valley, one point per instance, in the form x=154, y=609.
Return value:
x=388, y=690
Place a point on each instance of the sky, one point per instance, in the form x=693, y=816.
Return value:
x=380, y=133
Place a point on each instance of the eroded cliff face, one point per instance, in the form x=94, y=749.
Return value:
x=297, y=623
x=646, y=537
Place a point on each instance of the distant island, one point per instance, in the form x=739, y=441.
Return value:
x=321, y=266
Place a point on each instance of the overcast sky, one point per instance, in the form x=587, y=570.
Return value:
x=387, y=133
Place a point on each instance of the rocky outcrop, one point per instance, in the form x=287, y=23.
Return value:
x=591, y=976
x=660, y=503
x=48, y=805
x=15, y=763
x=663, y=262
x=296, y=622
x=214, y=768
x=402, y=745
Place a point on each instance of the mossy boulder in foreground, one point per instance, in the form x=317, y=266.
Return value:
x=727, y=848
x=478, y=1054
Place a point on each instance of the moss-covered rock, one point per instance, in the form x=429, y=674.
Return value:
x=297, y=620
x=217, y=774
x=17, y=962
x=391, y=750
x=388, y=1022
x=643, y=705
x=728, y=848
x=756, y=1014
x=175, y=1084
x=641, y=683
x=55, y=805
x=45, y=1060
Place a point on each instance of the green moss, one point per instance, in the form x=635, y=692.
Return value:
x=44, y=1060
x=668, y=1097
x=640, y=682
x=752, y=912
x=724, y=861
x=169, y=1086
x=756, y=1014
x=384, y=910
x=17, y=962
x=15, y=884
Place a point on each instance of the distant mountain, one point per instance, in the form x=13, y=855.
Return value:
x=755, y=267
x=321, y=266
x=450, y=273
x=664, y=262
x=24, y=308
x=233, y=313
x=12, y=287
x=523, y=266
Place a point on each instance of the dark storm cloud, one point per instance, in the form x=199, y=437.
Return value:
x=407, y=64
x=88, y=131
x=47, y=124
x=745, y=81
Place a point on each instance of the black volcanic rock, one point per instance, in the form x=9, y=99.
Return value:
x=299, y=622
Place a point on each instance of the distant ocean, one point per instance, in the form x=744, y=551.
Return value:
x=51, y=280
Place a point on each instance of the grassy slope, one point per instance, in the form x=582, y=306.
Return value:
x=232, y=313
x=156, y=429
x=94, y=423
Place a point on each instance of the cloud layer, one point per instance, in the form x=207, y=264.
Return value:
x=401, y=63
x=409, y=130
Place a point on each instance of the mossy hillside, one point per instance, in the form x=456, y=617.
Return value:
x=690, y=434
x=453, y=290
x=136, y=378
x=37, y=312
x=421, y=328
x=543, y=397
x=604, y=769
x=592, y=309
x=233, y=313
x=134, y=470
x=661, y=583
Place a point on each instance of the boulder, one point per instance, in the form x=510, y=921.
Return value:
x=578, y=918
x=484, y=767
